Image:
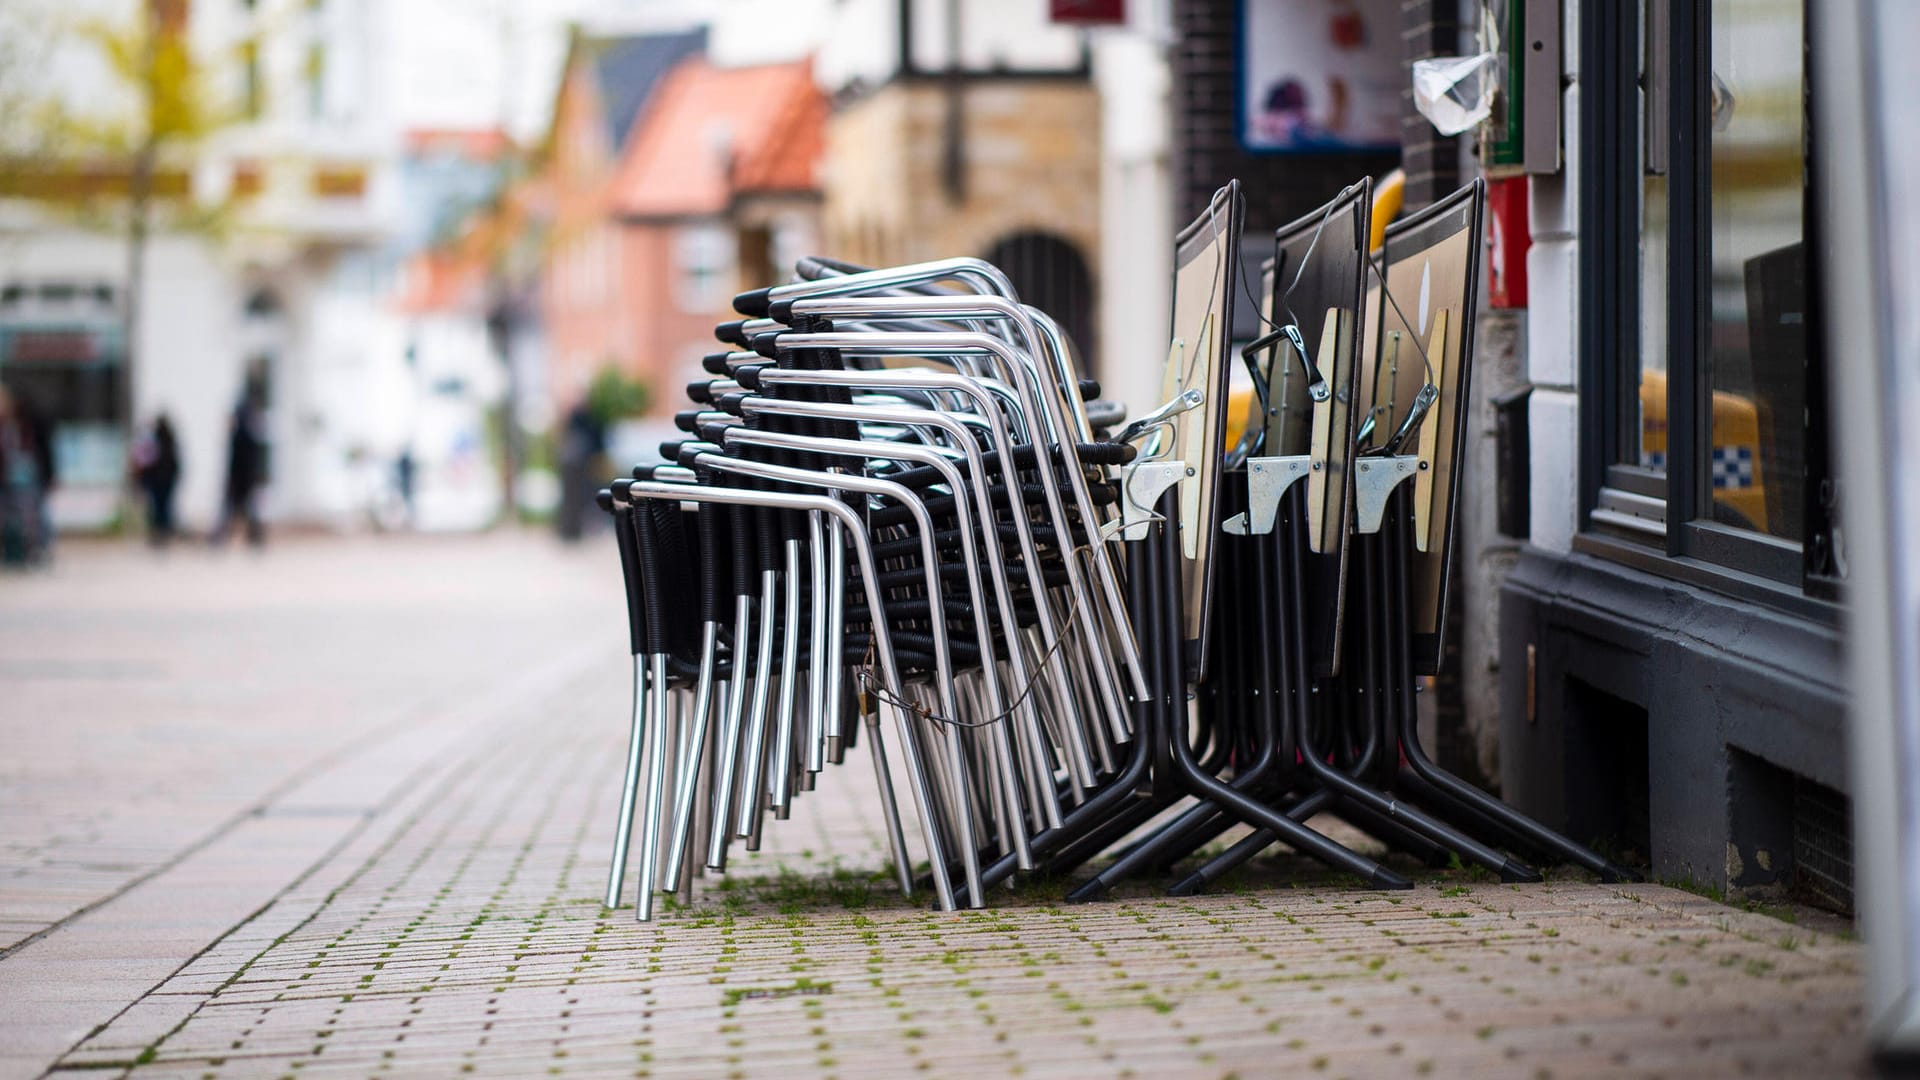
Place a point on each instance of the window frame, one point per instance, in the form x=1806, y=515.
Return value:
x=1609, y=277
x=704, y=266
x=1659, y=520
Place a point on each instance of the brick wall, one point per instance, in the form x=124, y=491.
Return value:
x=1432, y=160
x=1033, y=159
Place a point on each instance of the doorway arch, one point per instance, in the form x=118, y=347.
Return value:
x=1050, y=273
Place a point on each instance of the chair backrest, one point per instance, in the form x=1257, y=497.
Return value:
x=1319, y=282
x=1206, y=265
x=1425, y=335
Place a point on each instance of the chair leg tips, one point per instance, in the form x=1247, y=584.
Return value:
x=1512, y=871
x=1383, y=878
x=1091, y=892
x=1188, y=886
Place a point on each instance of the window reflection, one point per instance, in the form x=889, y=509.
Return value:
x=1653, y=324
x=1755, y=466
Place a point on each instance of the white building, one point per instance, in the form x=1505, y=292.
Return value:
x=290, y=279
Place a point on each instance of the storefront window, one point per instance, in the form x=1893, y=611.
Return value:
x=1705, y=443
x=1757, y=369
x=62, y=355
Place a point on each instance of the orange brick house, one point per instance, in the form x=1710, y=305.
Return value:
x=670, y=185
x=717, y=192
x=606, y=84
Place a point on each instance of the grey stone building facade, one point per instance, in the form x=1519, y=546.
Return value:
x=1646, y=649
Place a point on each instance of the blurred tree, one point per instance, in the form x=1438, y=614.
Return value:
x=115, y=160
x=24, y=43
x=614, y=395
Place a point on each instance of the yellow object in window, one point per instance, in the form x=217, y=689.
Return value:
x=1735, y=469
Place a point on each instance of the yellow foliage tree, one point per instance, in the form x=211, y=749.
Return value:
x=119, y=164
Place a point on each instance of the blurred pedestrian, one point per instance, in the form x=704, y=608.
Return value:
x=40, y=440
x=583, y=441
x=403, y=473
x=156, y=468
x=246, y=463
x=19, y=484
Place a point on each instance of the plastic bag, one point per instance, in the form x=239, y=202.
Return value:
x=1455, y=92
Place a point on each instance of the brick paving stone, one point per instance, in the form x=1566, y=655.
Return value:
x=149, y=701
x=457, y=929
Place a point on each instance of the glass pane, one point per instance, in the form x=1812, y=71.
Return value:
x=1756, y=463
x=1645, y=443
x=1652, y=448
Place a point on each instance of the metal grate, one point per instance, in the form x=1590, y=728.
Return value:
x=1823, y=845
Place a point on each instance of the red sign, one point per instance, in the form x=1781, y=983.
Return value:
x=1508, y=238
x=1088, y=12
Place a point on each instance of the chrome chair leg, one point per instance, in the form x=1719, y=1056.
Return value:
x=630, y=786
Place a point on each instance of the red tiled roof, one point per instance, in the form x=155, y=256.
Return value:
x=710, y=132
x=788, y=158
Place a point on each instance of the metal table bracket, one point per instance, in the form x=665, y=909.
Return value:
x=1140, y=489
x=1374, y=479
x=1268, y=478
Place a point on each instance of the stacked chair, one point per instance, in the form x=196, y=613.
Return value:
x=897, y=517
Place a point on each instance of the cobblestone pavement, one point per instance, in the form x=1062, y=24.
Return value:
x=345, y=809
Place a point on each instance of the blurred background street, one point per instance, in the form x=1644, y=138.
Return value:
x=421, y=265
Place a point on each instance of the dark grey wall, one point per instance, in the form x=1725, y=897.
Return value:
x=1729, y=700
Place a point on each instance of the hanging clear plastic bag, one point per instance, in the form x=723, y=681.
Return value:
x=1455, y=92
